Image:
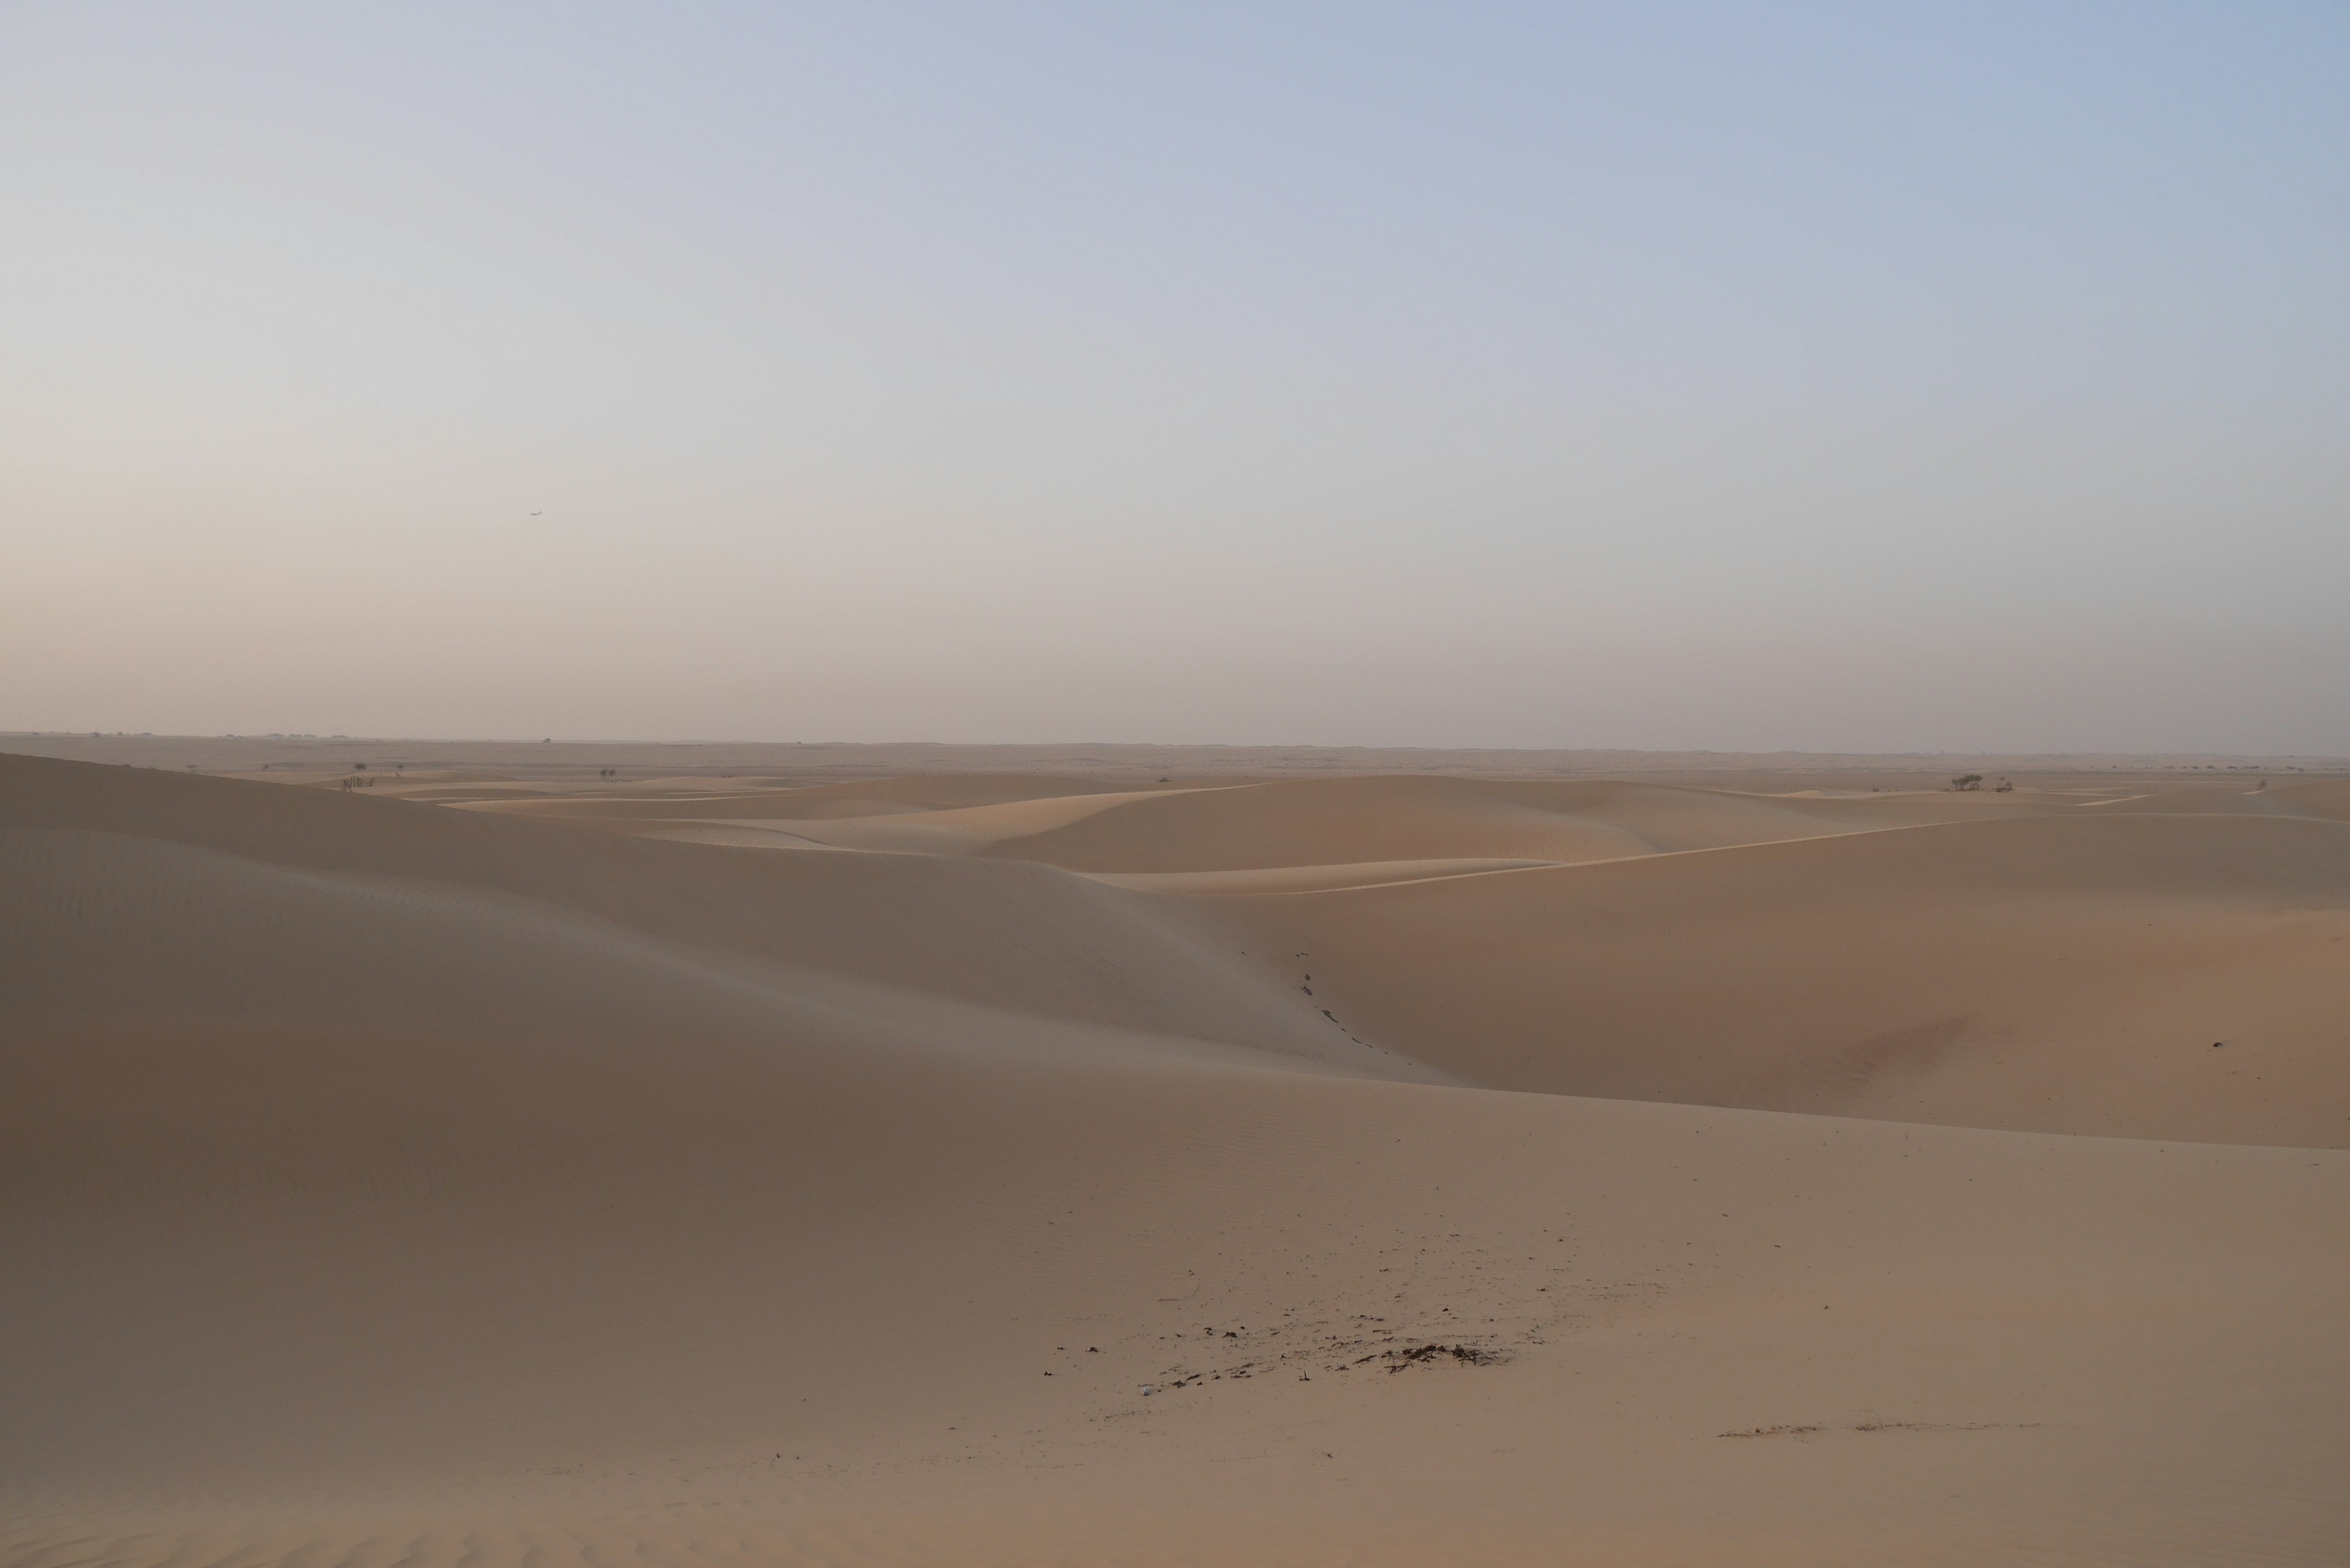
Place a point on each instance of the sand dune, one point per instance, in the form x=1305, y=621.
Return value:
x=680, y=800
x=1336, y=821
x=2329, y=800
x=1018, y=936
x=2063, y=976
x=1377, y=821
x=393, y=1184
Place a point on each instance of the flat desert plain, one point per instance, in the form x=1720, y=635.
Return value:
x=556, y=1156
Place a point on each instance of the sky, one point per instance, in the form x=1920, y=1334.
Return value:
x=1856, y=378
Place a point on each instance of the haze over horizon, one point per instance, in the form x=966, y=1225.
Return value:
x=1720, y=376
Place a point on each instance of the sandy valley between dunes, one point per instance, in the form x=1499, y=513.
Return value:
x=486, y=1167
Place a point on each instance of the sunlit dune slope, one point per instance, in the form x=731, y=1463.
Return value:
x=817, y=802
x=2328, y=799
x=2067, y=975
x=1338, y=821
x=1382, y=823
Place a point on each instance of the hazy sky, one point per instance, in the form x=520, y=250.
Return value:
x=1856, y=377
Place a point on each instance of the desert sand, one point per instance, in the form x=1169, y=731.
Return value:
x=1151, y=1157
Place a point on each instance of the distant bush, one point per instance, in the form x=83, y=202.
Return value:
x=1967, y=780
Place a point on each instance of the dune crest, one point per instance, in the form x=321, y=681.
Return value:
x=1332, y=1172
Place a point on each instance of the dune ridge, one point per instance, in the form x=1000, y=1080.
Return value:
x=387, y=1183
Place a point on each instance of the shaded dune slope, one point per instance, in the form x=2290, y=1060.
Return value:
x=1017, y=937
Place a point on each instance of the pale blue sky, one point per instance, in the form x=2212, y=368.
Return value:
x=1863, y=377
